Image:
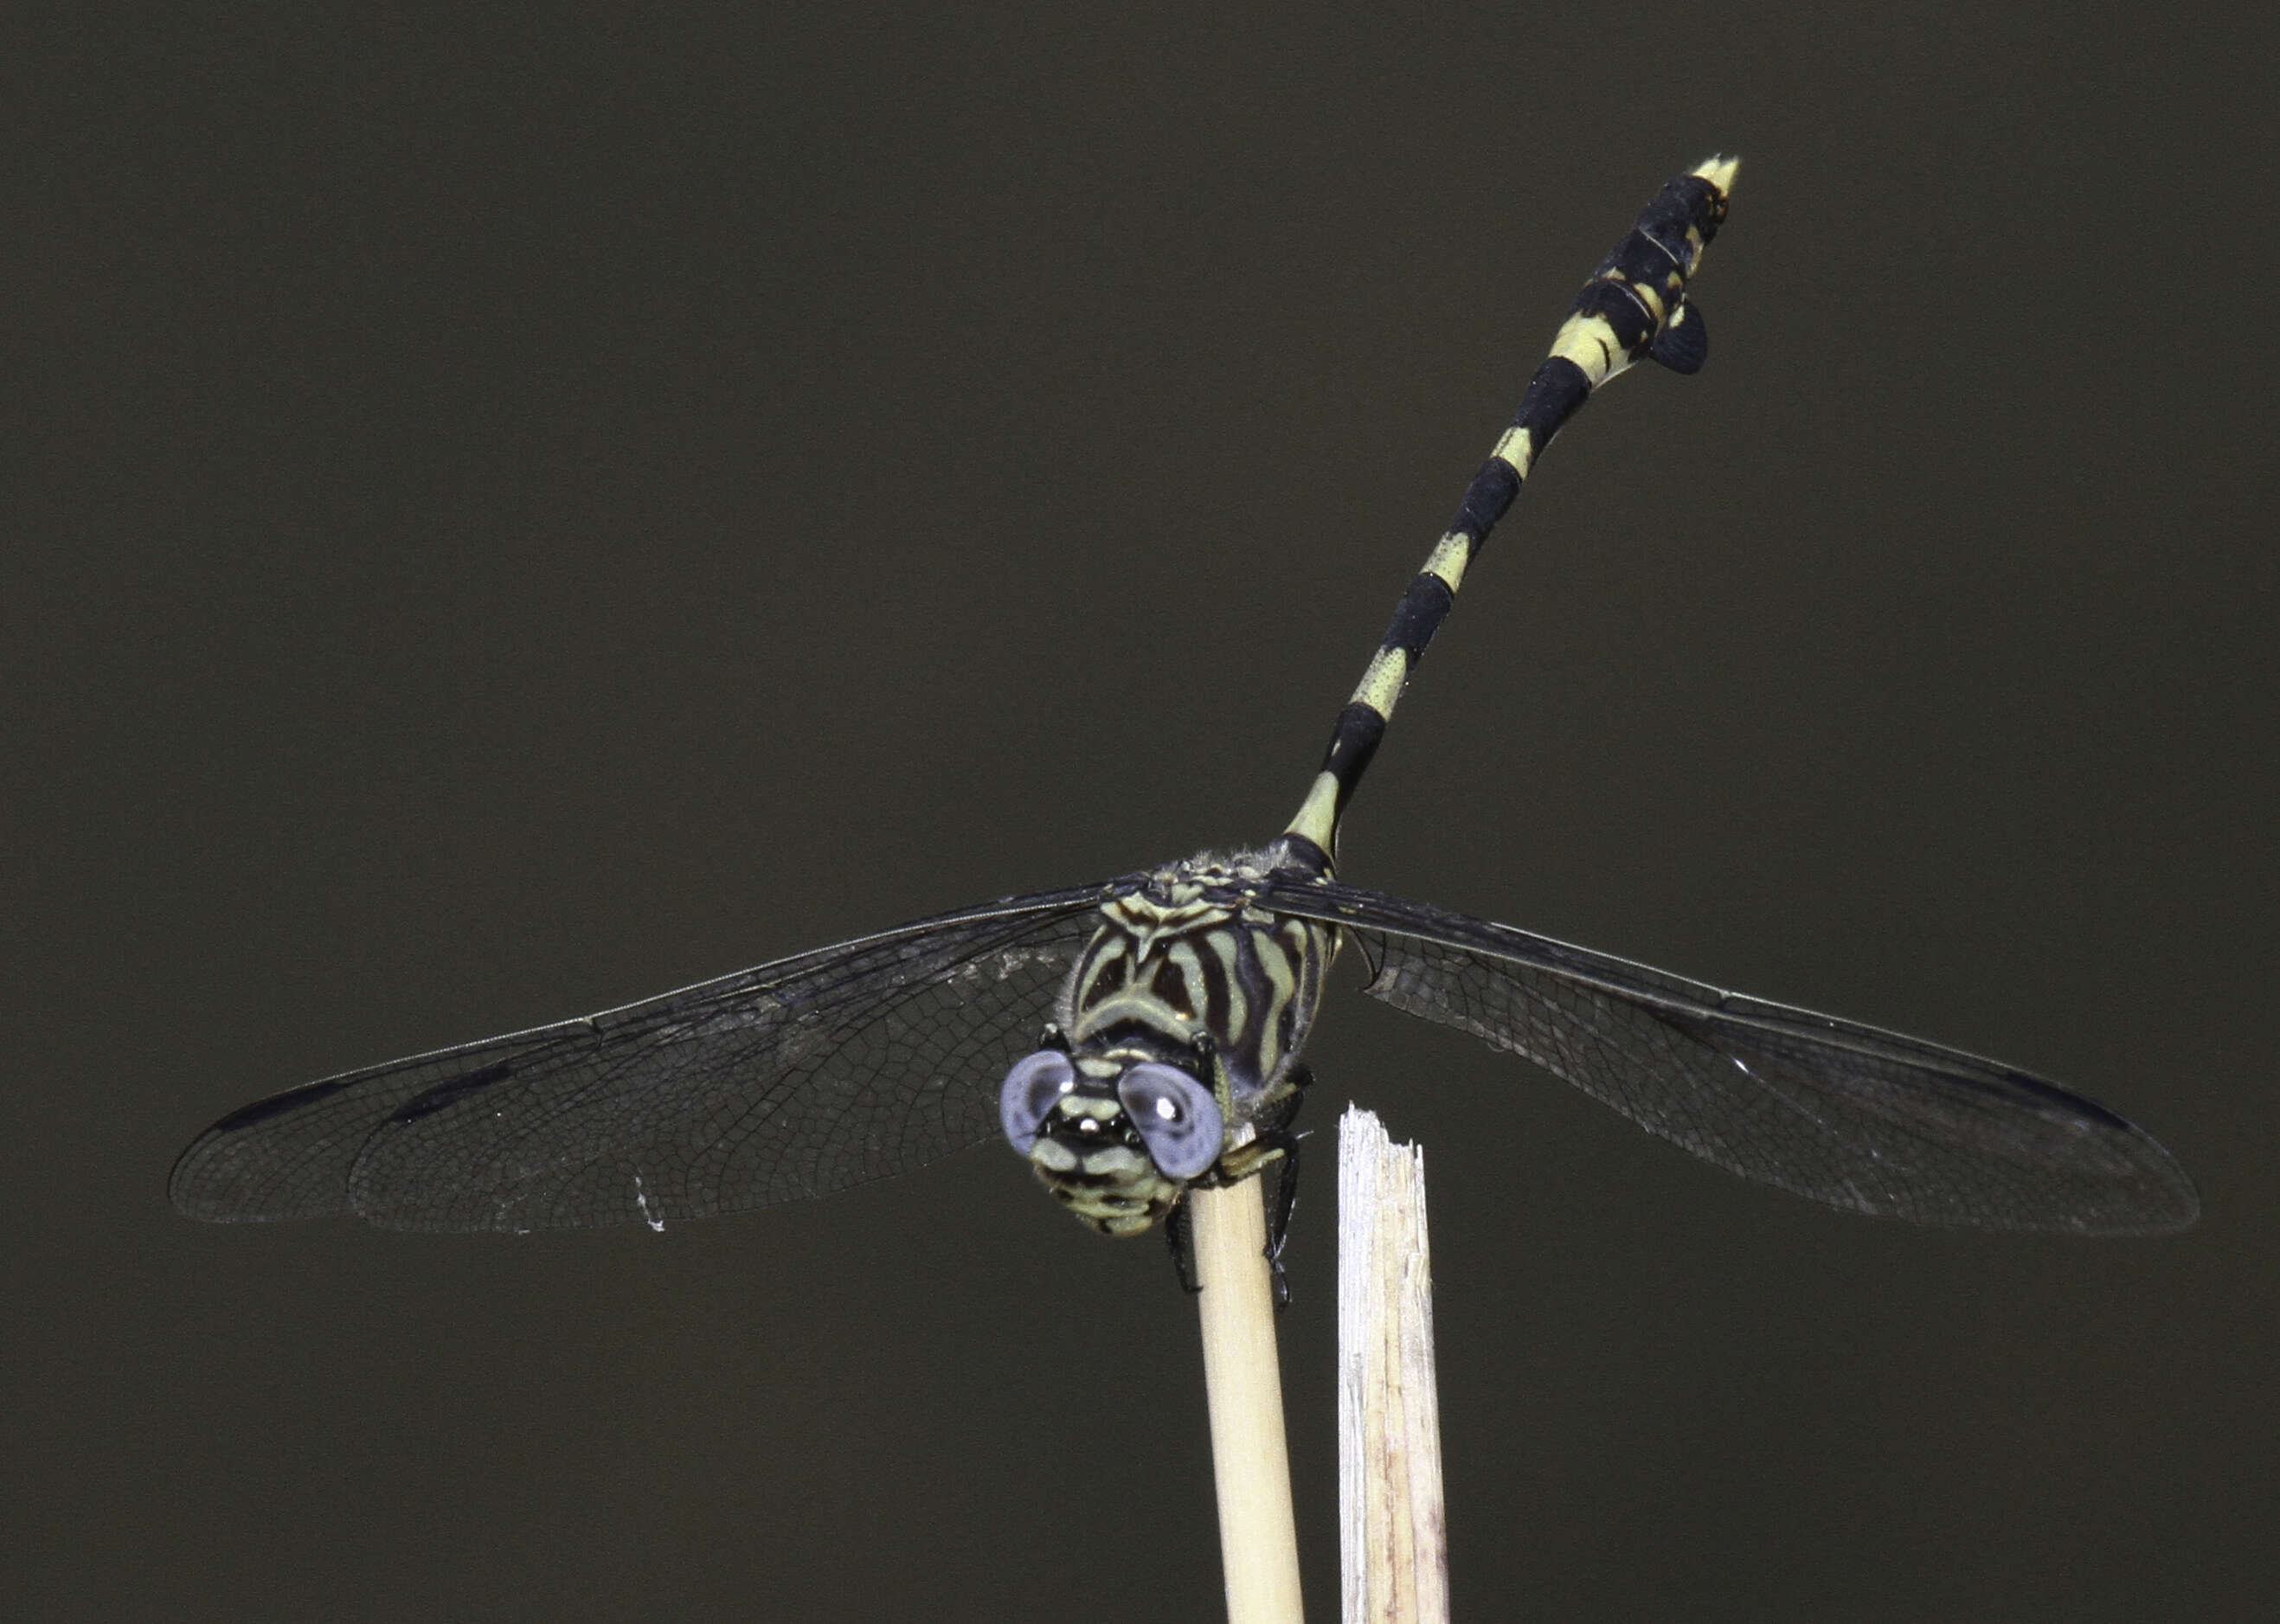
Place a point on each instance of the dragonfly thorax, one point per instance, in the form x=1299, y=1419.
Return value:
x=1189, y=958
x=1179, y=1030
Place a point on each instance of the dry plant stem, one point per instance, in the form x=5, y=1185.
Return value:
x=1258, y=1538
x=1393, y=1552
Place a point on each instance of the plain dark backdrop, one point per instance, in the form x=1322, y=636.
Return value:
x=506, y=513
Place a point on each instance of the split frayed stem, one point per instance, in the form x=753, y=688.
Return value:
x=1393, y=1550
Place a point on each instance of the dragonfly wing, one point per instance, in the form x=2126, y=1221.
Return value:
x=852, y=1062
x=1841, y=1112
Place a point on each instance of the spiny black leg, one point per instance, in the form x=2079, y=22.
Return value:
x=1277, y=1133
x=1278, y=1220
x=1181, y=1235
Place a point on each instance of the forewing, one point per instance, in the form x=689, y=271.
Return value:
x=1841, y=1112
x=791, y=1080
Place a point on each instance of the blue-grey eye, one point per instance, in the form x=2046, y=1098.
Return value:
x=1027, y=1098
x=1176, y=1117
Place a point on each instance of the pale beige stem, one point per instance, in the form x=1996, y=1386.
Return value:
x=1258, y=1536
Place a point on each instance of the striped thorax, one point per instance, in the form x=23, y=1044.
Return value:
x=1177, y=1038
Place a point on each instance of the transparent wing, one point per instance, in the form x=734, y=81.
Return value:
x=1844, y=1113
x=792, y=1079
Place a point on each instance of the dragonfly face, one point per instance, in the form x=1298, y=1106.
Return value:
x=1116, y=1144
x=1182, y=1020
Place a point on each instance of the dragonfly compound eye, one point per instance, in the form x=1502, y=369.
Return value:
x=1174, y=1116
x=1027, y=1098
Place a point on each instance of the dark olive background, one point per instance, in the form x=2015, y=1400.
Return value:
x=508, y=513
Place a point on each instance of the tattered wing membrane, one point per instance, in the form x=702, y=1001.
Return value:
x=795, y=1079
x=1840, y=1113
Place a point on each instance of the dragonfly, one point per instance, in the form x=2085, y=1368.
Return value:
x=1141, y=1037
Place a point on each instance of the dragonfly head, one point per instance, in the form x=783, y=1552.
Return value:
x=1117, y=1143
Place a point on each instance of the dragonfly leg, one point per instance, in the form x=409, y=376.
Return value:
x=1180, y=1234
x=1281, y=1139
